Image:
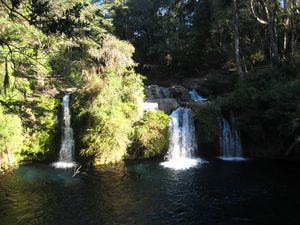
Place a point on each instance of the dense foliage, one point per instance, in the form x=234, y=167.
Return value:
x=10, y=139
x=194, y=37
x=47, y=47
x=206, y=121
x=267, y=105
x=151, y=135
x=215, y=41
x=111, y=102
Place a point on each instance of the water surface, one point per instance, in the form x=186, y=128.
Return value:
x=218, y=192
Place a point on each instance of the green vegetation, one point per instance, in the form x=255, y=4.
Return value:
x=151, y=135
x=10, y=139
x=243, y=53
x=40, y=129
x=112, y=105
x=267, y=105
x=47, y=47
x=195, y=38
x=206, y=121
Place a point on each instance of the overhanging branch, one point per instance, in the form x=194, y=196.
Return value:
x=255, y=15
x=14, y=11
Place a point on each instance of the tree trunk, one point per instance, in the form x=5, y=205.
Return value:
x=293, y=31
x=236, y=39
x=286, y=22
x=273, y=42
x=270, y=9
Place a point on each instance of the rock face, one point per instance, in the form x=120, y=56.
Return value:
x=166, y=99
x=168, y=104
x=157, y=92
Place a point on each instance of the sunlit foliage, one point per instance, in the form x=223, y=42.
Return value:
x=10, y=139
x=151, y=135
x=113, y=107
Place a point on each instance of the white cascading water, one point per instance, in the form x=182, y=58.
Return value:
x=182, y=140
x=230, y=141
x=66, y=153
x=196, y=97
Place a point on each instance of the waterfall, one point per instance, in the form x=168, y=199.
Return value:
x=230, y=141
x=196, y=97
x=66, y=153
x=182, y=141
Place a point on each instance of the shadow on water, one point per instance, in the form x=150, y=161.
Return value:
x=218, y=192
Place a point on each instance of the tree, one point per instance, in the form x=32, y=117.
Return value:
x=267, y=11
x=236, y=38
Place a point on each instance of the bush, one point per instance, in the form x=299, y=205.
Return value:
x=39, y=135
x=267, y=106
x=217, y=83
x=151, y=135
x=10, y=139
x=112, y=104
x=206, y=122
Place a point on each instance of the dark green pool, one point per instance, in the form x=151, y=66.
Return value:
x=218, y=192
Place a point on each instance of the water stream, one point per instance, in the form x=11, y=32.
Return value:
x=196, y=97
x=230, y=141
x=182, y=141
x=66, y=153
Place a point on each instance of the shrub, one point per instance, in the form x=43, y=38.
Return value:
x=112, y=104
x=267, y=106
x=206, y=121
x=38, y=142
x=10, y=139
x=151, y=135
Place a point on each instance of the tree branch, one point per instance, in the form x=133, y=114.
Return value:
x=21, y=52
x=14, y=11
x=255, y=15
x=76, y=171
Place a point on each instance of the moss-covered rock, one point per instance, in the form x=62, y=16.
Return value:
x=207, y=131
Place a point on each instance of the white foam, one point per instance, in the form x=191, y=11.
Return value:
x=196, y=97
x=64, y=165
x=182, y=163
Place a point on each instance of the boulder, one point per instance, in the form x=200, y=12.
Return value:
x=168, y=104
x=155, y=92
x=181, y=93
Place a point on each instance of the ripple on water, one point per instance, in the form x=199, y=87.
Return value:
x=147, y=193
x=237, y=159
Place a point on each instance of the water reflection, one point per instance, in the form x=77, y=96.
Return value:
x=146, y=193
